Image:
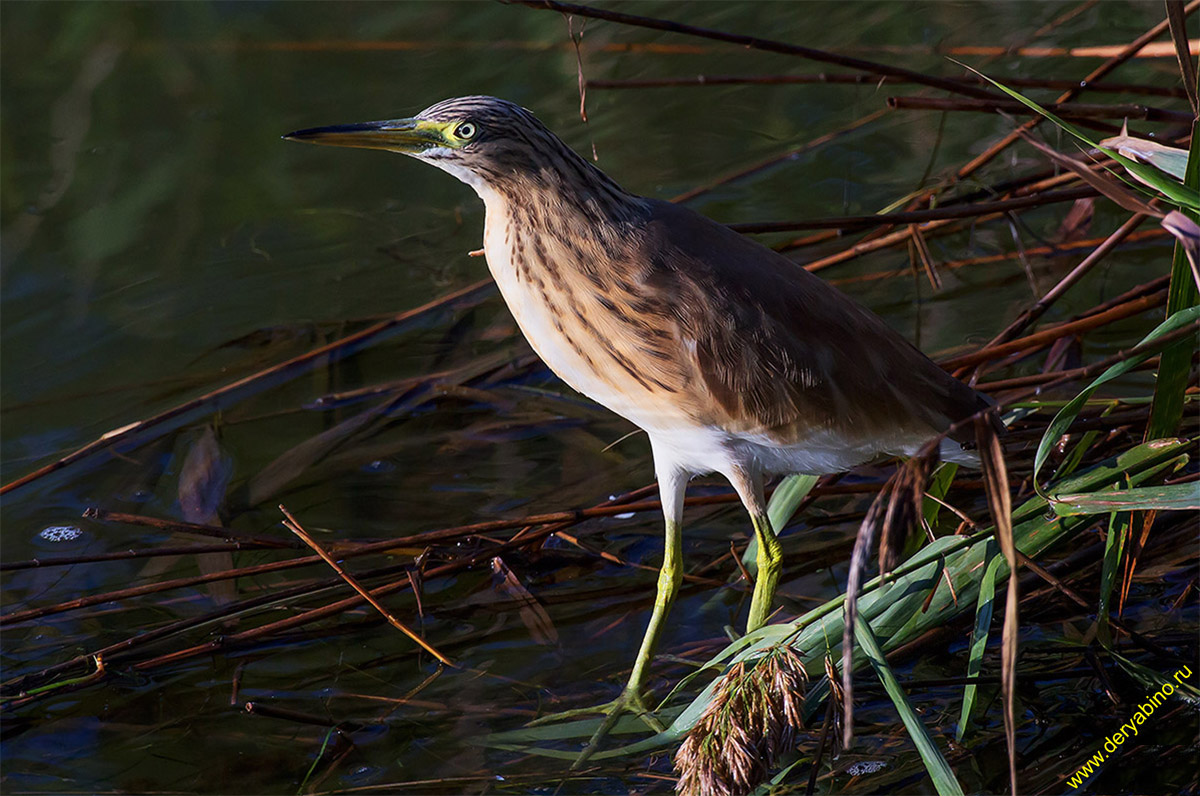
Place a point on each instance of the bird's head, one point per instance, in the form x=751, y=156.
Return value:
x=486, y=142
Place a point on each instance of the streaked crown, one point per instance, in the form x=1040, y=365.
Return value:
x=503, y=143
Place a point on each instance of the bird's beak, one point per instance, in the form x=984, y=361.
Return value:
x=407, y=136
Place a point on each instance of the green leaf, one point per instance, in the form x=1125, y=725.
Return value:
x=819, y=631
x=1062, y=421
x=939, y=486
x=1175, y=365
x=787, y=497
x=1119, y=526
x=1178, y=194
x=1075, y=457
x=320, y=756
x=935, y=763
x=984, y=608
x=1173, y=497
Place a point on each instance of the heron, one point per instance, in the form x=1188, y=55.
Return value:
x=732, y=358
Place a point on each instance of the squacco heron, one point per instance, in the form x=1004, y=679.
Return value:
x=731, y=357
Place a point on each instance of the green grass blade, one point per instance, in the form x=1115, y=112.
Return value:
x=1172, y=497
x=1180, y=195
x=1062, y=421
x=320, y=755
x=984, y=608
x=1073, y=459
x=1174, y=368
x=1119, y=527
x=935, y=763
x=787, y=497
x=939, y=485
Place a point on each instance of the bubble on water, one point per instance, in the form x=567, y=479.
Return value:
x=866, y=767
x=378, y=466
x=623, y=516
x=60, y=533
x=363, y=775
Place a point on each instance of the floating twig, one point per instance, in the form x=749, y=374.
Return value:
x=294, y=526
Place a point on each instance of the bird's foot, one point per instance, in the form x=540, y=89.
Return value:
x=630, y=701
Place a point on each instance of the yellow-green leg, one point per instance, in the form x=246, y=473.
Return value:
x=770, y=562
x=670, y=576
x=749, y=486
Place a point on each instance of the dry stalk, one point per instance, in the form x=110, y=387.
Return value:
x=294, y=526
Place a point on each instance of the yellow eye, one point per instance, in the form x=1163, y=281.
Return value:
x=466, y=131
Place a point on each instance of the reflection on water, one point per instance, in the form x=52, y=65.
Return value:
x=160, y=241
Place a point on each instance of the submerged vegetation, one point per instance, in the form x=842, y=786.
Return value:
x=942, y=629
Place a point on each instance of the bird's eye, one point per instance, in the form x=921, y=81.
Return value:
x=466, y=131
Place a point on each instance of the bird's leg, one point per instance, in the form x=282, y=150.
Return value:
x=749, y=486
x=770, y=558
x=670, y=577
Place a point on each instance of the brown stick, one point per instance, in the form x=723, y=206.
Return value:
x=287, y=714
x=1078, y=110
x=1030, y=315
x=177, y=526
x=902, y=236
x=1097, y=367
x=766, y=45
x=152, y=552
x=145, y=637
x=1177, y=20
x=919, y=216
x=1160, y=50
x=294, y=526
x=349, y=603
x=150, y=588
x=354, y=550
x=991, y=387
x=693, y=81
x=1040, y=338
x=280, y=625
x=987, y=259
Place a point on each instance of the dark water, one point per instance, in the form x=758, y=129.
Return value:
x=160, y=241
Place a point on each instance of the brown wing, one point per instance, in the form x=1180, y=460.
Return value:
x=780, y=351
